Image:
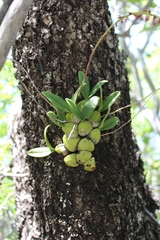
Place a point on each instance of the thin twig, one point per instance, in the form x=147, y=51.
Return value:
x=149, y=81
x=135, y=103
x=5, y=200
x=19, y=65
x=14, y=174
x=152, y=217
x=150, y=95
x=134, y=70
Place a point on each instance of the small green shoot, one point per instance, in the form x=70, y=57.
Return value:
x=46, y=139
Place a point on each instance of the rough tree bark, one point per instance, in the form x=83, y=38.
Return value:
x=56, y=201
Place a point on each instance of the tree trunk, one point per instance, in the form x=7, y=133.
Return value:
x=56, y=201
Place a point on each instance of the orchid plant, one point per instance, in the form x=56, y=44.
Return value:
x=81, y=121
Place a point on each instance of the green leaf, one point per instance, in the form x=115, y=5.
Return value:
x=109, y=123
x=74, y=109
x=46, y=139
x=100, y=99
x=39, y=152
x=53, y=117
x=62, y=118
x=75, y=95
x=80, y=104
x=90, y=106
x=86, y=86
x=110, y=100
x=104, y=118
x=97, y=87
x=58, y=102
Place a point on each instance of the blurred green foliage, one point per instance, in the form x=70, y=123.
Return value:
x=147, y=138
x=8, y=94
x=143, y=36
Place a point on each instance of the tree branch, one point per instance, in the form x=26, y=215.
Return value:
x=14, y=174
x=149, y=81
x=10, y=25
x=4, y=9
x=134, y=71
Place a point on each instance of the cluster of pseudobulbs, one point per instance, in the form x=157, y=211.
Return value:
x=79, y=140
x=81, y=123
